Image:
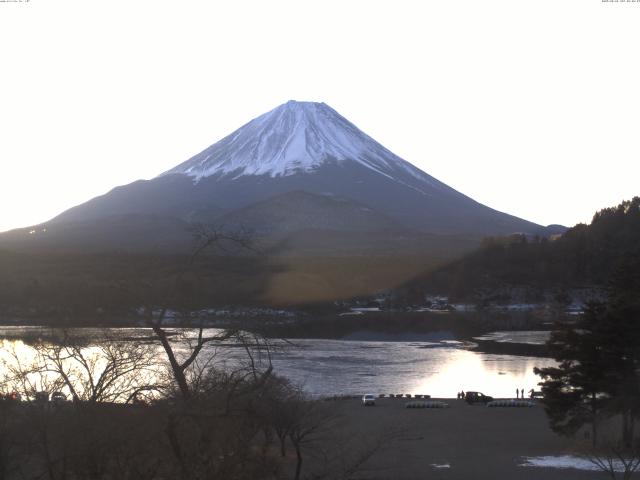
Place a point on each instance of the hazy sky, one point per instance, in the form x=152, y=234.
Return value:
x=530, y=107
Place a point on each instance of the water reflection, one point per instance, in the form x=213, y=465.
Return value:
x=439, y=367
x=104, y=371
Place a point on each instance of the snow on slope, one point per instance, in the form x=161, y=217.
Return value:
x=296, y=137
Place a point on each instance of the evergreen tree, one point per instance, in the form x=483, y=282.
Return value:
x=576, y=391
x=599, y=361
x=621, y=343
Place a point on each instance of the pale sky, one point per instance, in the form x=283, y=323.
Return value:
x=530, y=107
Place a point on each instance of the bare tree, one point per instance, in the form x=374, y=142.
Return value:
x=613, y=459
x=101, y=369
x=192, y=342
x=308, y=421
x=347, y=456
x=179, y=367
x=217, y=237
x=25, y=375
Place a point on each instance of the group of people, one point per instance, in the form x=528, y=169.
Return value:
x=521, y=393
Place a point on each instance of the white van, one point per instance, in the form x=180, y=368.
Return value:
x=369, y=399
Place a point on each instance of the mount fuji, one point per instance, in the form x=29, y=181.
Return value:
x=293, y=172
x=297, y=137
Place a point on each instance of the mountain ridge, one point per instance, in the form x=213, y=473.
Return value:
x=296, y=147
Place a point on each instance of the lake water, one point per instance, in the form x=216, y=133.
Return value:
x=368, y=362
x=439, y=369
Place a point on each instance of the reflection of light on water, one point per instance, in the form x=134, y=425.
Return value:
x=27, y=370
x=18, y=362
x=328, y=367
x=495, y=375
x=452, y=375
x=23, y=352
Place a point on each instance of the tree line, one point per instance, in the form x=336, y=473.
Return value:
x=585, y=255
x=103, y=287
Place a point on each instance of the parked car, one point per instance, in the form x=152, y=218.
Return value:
x=11, y=397
x=58, y=397
x=369, y=400
x=477, y=397
x=139, y=401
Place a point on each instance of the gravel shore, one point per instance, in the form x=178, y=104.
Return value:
x=459, y=442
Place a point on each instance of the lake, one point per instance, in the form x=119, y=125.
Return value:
x=437, y=367
x=434, y=363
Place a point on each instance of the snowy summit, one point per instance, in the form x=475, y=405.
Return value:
x=299, y=168
x=295, y=137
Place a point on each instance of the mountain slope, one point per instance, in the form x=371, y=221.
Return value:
x=249, y=178
x=299, y=210
x=297, y=137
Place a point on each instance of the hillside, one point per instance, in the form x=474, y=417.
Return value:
x=586, y=255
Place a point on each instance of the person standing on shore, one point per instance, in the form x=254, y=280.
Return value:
x=517, y=392
x=522, y=393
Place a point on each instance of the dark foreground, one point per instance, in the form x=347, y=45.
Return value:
x=475, y=441
x=336, y=439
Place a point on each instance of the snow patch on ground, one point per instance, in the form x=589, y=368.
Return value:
x=526, y=337
x=565, y=461
x=441, y=465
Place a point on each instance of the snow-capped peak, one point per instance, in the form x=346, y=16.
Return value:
x=293, y=138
